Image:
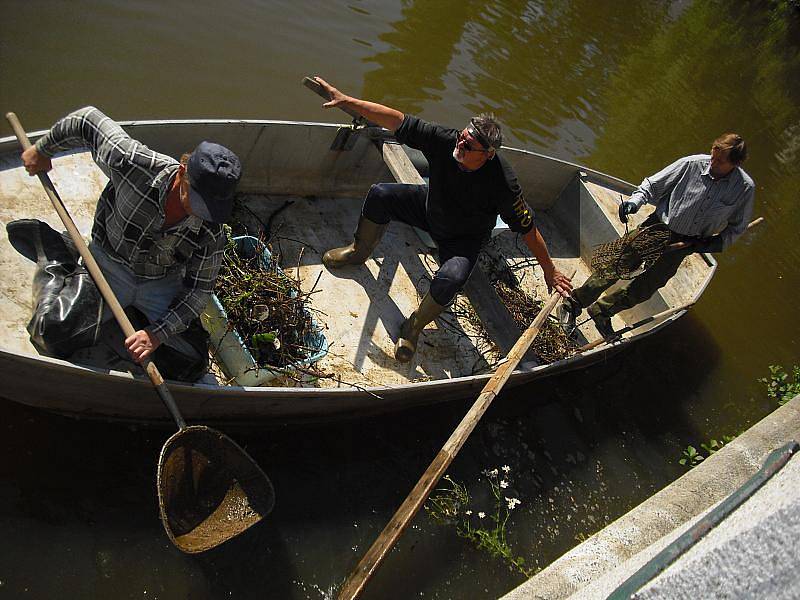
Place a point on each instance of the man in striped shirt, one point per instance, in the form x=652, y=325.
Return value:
x=157, y=232
x=706, y=200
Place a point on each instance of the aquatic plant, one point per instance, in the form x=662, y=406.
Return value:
x=451, y=505
x=714, y=445
x=692, y=457
x=779, y=386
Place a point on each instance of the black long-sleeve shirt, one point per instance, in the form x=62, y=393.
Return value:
x=464, y=203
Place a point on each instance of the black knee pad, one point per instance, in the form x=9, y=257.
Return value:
x=375, y=204
x=450, y=278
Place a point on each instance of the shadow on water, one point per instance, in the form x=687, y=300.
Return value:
x=253, y=565
x=78, y=500
x=583, y=448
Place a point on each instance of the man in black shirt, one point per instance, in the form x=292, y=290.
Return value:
x=469, y=185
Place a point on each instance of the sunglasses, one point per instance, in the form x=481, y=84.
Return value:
x=463, y=138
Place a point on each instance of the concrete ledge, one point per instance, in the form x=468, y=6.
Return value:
x=649, y=527
x=753, y=553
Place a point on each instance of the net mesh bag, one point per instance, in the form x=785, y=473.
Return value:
x=632, y=254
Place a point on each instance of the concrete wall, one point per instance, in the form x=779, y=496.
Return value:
x=590, y=570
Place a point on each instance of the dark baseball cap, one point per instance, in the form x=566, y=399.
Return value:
x=213, y=171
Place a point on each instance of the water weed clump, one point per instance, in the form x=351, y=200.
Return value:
x=452, y=505
x=266, y=307
x=779, y=386
x=692, y=457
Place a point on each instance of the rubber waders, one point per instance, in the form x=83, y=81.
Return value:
x=366, y=237
x=406, y=344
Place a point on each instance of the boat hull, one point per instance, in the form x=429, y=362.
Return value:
x=575, y=209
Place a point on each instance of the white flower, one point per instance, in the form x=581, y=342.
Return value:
x=504, y=484
x=468, y=512
x=493, y=472
x=512, y=502
x=506, y=469
x=481, y=514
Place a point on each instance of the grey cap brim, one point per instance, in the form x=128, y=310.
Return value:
x=199, y=206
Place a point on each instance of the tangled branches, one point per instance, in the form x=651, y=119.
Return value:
x=631, y=254
x=552, y=343
x=265, y=306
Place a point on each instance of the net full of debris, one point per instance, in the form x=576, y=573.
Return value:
x=266, y=307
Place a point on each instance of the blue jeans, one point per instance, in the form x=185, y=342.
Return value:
x=151, y=296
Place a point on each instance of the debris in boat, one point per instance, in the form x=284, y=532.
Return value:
x=487, y=351
x=266, y=307
x=552, y=343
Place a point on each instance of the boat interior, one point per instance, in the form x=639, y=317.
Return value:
x=302, y=193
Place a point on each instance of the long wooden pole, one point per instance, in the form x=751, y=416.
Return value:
x=408, y=509
x=680, y=245
x=618, y=334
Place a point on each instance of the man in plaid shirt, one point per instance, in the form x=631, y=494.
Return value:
x=157, y=233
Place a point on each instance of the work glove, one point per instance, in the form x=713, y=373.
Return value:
x=709, y=244
x=627, y=208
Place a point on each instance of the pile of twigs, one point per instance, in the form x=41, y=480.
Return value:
x=552, y=343
x=266, y=307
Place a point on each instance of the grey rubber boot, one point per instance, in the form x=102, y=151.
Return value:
x=406, y=344
x=366, y=237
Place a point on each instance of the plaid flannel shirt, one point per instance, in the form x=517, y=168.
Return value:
x=130, y=214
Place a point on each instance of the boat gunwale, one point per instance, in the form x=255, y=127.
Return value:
x=10, y=143
x=269, y=391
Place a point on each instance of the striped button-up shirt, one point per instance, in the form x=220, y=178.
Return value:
x=692, y=202
x=129, y=218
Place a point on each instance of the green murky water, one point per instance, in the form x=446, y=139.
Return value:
x=624, y=88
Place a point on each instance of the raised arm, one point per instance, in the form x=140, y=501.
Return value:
x=384, y=116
